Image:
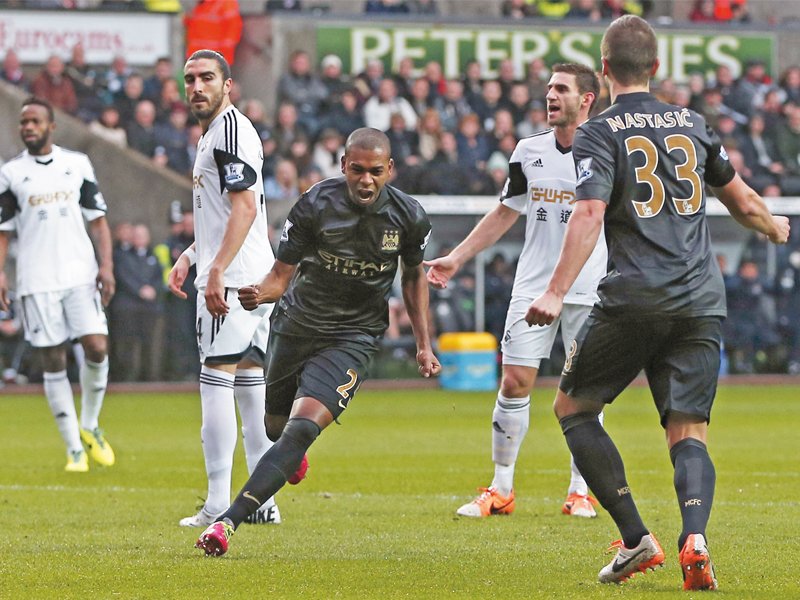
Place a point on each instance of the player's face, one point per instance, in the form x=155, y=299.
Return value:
x=35, y=128
x=366, y=172
x=563, y=100
x=205, y=87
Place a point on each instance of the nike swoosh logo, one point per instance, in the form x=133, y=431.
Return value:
x=618, y=566
x=250, y=496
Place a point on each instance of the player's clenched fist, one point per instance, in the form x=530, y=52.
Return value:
x=248, y=296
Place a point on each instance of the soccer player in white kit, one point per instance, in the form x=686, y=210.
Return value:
x=540, y=184
x=231, y=250
x=46, y=195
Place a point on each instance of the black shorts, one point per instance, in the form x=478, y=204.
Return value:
x=304, y=364
x=680, y=357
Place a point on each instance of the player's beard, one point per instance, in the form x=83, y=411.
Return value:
x=569, y=114
x=36, y=145
x=214, y=102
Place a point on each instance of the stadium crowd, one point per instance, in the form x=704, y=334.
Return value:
x=449, y=137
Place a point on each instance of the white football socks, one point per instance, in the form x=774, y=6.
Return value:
x=94, y=379
x=510, y=421
x=218, y=433
x=250, y=389
x=59, y=396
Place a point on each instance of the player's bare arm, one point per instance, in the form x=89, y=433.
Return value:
x=415, y=296
x=750, y=210
x=583, y=229
x=243, y=213
x=485, y=234
x=101, y=235
x=270, y=289
x=180, y=271
x=3, y=279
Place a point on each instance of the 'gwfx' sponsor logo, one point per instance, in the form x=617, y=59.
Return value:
x=352, y=266
x=234, y=172
x=391, y=240
x=50, y=198
x=540, y=194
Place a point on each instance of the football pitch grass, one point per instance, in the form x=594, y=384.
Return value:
x=376, y=516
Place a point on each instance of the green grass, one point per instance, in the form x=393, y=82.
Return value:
x=375, y=518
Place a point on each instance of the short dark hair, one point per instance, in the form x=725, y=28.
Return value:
x=224, y=67
x=585, y=78
x=368, y=138
x=629, y=46
x=33, y=100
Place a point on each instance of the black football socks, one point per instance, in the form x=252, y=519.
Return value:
x=695, y=479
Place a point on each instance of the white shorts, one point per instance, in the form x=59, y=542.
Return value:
x=526, y=346
x=229, y=339
x=52, y=318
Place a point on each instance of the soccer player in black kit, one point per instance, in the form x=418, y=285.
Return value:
x=642, y=166
x=337, y=259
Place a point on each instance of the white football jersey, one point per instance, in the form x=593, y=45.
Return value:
x=229, y=158
x=46, y=199
x=541, y=184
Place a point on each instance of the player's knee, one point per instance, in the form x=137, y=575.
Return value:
x=274, y=425
x=574, y=420
x=302, y=431
x=517, y=383
x=53, y=359
x=95, y=347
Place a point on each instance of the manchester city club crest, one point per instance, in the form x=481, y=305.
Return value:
x=391, y=240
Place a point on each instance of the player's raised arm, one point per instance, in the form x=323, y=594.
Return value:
x=750, y=210
x=416, y=299
x=583, y=229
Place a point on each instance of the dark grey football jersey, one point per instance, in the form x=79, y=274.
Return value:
x=649, y=161
x=347, y=256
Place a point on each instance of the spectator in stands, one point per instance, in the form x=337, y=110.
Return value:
x=535, y=120
x=303, y=88
x=517, y=9
x=789, y=304
x=420, y=96
x=760, y=154
x=281, y=5
x=379, y=109
x=345, y=117
x=444, y=175
x=429, y=134
x=309, y=177
x=162, y=72
x=703, y=12
x=270, y=150
x=537, y=77
x=181, y=344
x=489, y=103
x=142, y=131
x=728, y=131
x=503, y=126
x=84, y=80
x=214, y=24
x=499, y=279
x=404, y=143
x=749, y=330
x=436, y=81
x=283, y=186
x=334, y=80
x=173, y=137
x=287, y=127
x=452, y=105
x=129, y=97
x=12, y=70
x=108, y=127
x=587, y=10
x=169, y=100
x=328, y=152
x=53, y=85
x=254, y=110
x=507, y=77
x=404, y=77
x=497, y=169
x=113, y=81
x=300, y=153
x=135, y=309
x=790, y=84
x=366, y=83
x=749, y=89
x=473, y=147
x=519, y=102
x=12, y=341
x=772, y=111
x=789, y=150
x=423, y=7
x=387, y=7
x=473, y=82
x=613, y=9
x=552, y=9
